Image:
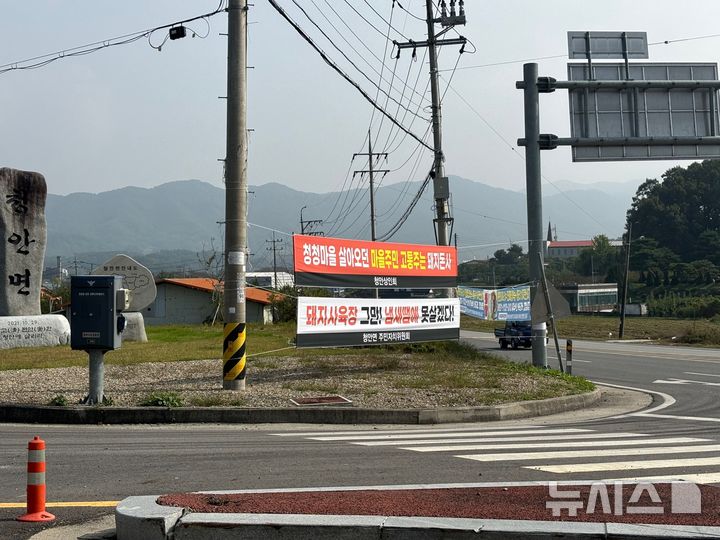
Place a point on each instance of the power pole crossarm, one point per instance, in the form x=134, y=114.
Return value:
x=371, y=171
x=274, y=249
x=307, y=225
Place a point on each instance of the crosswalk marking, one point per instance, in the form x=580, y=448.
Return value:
x=593, y=453
x=407, y=430
x=627, y=465
x=648, y=457
x=702, y=478
x=406, y=435
x=582, y=436
x=573, y=444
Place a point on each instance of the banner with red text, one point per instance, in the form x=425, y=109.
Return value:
x=331, y=322
x=338, y=262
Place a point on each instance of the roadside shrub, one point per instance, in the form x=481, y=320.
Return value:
x=162, y=399
x=284, y=304
x=58, y=401
x=689, y=307
x=705, y=335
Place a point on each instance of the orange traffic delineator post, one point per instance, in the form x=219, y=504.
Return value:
x=36, y=483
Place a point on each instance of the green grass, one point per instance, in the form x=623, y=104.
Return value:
x=705, y=332
x=174, y=343
x=495, y=379
x=162, y=399
x=59, y=401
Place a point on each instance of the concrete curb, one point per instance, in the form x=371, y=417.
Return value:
x=142, y=517
x=29, y=414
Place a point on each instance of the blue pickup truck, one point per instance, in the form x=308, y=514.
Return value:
x=515, y=334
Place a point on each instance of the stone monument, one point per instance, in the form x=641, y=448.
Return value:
x=22, y=221
x=141, y=284
x=22, y=218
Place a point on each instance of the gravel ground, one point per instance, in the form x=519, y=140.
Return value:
x=271, y=382
x=527, y=503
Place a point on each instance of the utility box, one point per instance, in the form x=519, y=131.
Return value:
x=96, y=320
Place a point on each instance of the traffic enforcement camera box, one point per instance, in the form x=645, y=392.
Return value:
x=96, y=320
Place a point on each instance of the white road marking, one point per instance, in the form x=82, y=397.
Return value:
x=668, y=400
x=657, y=355
x=673, y=380
x=703, y=374
x=593, y=453
x=377, y=431
x=507, y=439
x=702, y=478
x=582, y=361
x=377, y=437
x=573, y=444
x=627, y=465
x=676, y=417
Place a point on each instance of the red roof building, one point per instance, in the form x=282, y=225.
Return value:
x=564, y=249
x=197, y=300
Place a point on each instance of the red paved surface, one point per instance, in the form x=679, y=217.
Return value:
x=526, y=503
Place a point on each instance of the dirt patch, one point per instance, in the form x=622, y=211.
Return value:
x=524, y=503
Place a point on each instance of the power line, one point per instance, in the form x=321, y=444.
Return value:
x=514, y=150
x=371, y=24
x=81, y=50
x=564, y=55
x=353, y=64
x=340, y=71
x=352, y=31
x=395, y=228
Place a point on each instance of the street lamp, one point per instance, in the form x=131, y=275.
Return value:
x=302, y=223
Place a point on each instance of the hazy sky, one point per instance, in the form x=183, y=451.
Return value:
x=130, y=115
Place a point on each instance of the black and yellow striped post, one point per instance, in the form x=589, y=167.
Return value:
x=234, y=355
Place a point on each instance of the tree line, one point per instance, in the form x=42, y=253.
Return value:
x=672, y=233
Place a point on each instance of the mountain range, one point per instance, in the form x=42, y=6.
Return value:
x=181, y=219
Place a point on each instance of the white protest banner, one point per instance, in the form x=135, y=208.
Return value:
x=330, y=322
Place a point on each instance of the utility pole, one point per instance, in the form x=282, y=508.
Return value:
x=371, y=171
x=533, y=185
x=234, y=352
x=306, y=226
x=621, y=331
x=441, y=187
x=274, y=249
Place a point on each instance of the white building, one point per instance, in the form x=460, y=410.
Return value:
x=267, y=279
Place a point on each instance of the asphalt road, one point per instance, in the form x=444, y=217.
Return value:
x=676, y=437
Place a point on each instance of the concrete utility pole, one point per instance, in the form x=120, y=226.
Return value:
x=274, y=249
x=234, y=353
x=371, y=171
x=441, y=188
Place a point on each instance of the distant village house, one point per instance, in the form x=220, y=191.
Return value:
x=194, y=301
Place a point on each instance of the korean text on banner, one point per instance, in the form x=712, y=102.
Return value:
x=508, y=304
x=330, y=322
x=338, y=262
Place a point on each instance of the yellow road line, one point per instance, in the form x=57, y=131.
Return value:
x=99, y=504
